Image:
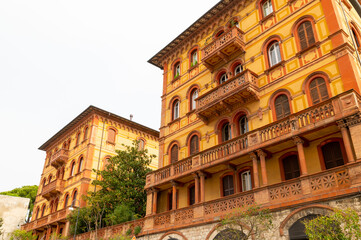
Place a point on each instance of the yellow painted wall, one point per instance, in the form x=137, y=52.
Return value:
x=297, y=69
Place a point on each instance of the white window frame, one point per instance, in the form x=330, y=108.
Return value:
x=223, y=78
x=246, y=181
x=267, y=8
x=238, y=69
x=176, y=110
x=274, y=54
x=194, y=58
x=193, y=98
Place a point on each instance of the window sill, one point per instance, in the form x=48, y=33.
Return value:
x=269, y=16
x=190, y=112
x=69, y=178
x=282, y=63
x=111, y=143
x=84, y=140
x=174, y=121
x=316, y=44
x=176, y=78
x=193, y=67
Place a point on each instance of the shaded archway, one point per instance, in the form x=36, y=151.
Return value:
x=230, y=234
x=297, y=230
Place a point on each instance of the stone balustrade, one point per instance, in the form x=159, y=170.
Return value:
x=47, y=220
x=326, y=112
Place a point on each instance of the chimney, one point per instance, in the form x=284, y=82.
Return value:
x=131, y=117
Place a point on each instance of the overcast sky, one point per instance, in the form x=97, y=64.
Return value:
x=59, y=57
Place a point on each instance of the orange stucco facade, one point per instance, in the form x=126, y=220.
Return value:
x=256, y=94
x=71, y=155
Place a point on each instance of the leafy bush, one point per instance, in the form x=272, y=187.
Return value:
x=22, y=235
x=341, y=225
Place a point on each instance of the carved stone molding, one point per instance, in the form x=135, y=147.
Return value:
x=353, y=120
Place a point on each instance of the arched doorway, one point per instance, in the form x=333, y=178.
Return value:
x=230, y=234
x=297, y=230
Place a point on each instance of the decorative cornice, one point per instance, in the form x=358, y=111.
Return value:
x=353, y=120
x=188, y=34
x=86, y=116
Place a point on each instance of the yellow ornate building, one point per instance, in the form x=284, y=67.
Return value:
x=260, y=105
x=71, y=154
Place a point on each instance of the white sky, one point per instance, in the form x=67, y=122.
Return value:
x=59, y=57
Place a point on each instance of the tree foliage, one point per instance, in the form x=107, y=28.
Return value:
x=120, y=196
x=123, y=179
x=340, y=225
x=257, y=220
x=25, y=192
x=22, y=235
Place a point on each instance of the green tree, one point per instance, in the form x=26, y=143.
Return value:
x=22, y=235
x=25, y=192
x=120, y=196
x=340, y=225
x=123, y=179
x=257, y=220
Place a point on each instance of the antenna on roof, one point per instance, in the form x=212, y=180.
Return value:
x=131, y=117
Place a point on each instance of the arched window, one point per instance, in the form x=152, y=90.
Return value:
x=44, y=182
x=66, y=200
x=282, y=106
x=194, y=145
x=72, y=168
x=141, y=144
x=230, y=234
x=111, y=135
x=176, y=70
x=37, y=213
x=86, y=133
x=77, y=139
x=267, y=8
x=223, y=78
x=80, y=165
x=297, y=230
x=305, y=34
x=291, y=167
x=194, y=57
x=56, y=203
x=227, y=184
x=219, y=33
x=332, y=155
x=174, y=153
x=194, y=96
x=49, y=179
x=355, y=37
x=318, y=90
x=175, y=108
x=75, y=194
x=274, y=53
x=226, y=132
x=245, y=179
x=43, y=210
x=238, y=69
x=192, y=195
x=243, y=125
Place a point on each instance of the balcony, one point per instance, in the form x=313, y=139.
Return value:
x=59, y=158
x=332, y=183
x=240, y=89
x=51, y=219
x=321, y=117
x=53, y=189
x=222, y=48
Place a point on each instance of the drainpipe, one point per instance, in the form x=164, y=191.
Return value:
x=100, y=152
